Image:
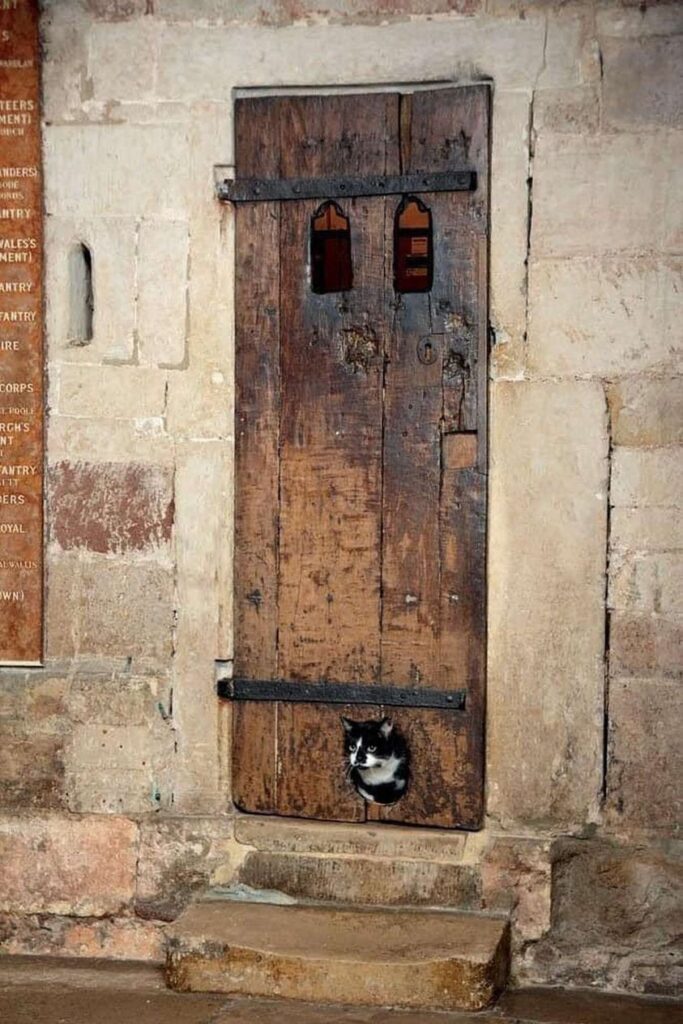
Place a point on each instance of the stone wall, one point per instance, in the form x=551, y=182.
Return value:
x=114, y=791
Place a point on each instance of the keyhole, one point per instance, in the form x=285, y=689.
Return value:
x=426, y=351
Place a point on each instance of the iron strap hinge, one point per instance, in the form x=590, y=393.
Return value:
x=340, y=693
x=263, y=190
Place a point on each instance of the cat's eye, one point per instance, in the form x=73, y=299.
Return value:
x=371, y=750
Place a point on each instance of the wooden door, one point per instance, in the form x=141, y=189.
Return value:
x=361, y=456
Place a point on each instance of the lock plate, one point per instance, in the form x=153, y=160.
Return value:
x=428, y=350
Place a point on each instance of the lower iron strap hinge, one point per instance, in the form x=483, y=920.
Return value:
x=295, y=692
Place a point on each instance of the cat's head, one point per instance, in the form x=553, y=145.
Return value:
x=368, y=743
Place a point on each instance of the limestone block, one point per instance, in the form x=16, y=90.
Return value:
x=119, y=10
x=515, y=879
x=646, y=529
x=645, y=645
x=89, y=439
x=37, y=699
x=211, y=136
x=641, y=82
x=636, y=21
x=546, y=590
x=604, y=316
x=109, y=608
x=645, y=758
x=616, y=915
x=122, y=60
x=112, y=243
x=197, y=63
x=77, y=866
x=211, y=291
x=110, y=507
x=602, y=193
x=647, y=583
x=177, y=859
x=647, y=477
x=211, y=284
x=109, y=938
x=605, y=892
x=421, y=959
x=647, y=410
x=280, y=12
x=296, y=835
x=119, y=751
x=365, y=881
x=572, y=111
x=118, y=791
x=111, y=392
x=162, y=298
x=118, y=699
x=31, y=769
x=118, y=769
x=63, y=69
x=119, y=747
x=116, y=170
x=562, y=53
x=204, y=616
x=509, y=217
x=200, y=405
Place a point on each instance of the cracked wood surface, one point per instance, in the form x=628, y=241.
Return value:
x=361, y=486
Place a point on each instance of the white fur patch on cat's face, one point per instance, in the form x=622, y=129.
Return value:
x=362, y=756
x=380, y=772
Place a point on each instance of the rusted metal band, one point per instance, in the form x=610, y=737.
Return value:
x=340, y=693
x=269, y=190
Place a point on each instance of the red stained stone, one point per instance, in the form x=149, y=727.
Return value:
x=84, y=867
x=110, y=507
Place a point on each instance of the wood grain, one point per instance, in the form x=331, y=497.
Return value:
x=332, y=366
x=361, y=467
x=448, y=130
x=257, y=425
x=410, y=546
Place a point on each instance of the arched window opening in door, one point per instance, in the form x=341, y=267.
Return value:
x=331, y=267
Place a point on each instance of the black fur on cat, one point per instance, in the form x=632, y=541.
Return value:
x=377, y=759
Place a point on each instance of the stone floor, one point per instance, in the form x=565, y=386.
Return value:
x=34, y=990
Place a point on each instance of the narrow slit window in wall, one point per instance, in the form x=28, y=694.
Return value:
x=331, y=268
x=81, y=301
x=413, y=247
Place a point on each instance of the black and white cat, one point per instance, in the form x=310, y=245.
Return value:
x=377, y=760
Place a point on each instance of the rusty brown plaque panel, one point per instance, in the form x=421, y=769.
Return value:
x=21, y=336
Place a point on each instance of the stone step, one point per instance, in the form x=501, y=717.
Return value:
x=439, y=960
x=370, y=865
x=367, y=881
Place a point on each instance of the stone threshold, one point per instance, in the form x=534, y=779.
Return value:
x=86, y=991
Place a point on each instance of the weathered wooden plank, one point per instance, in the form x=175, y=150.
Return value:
x=448, y=129
x=312, y=781
x=445, y=780
x=332, y=365
x=410, y=537
x=257, y=415
x=344, y=481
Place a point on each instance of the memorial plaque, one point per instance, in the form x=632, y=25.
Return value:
x=21, y=336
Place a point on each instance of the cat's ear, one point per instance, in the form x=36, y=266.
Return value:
x=385, y=727
x=347, y=723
